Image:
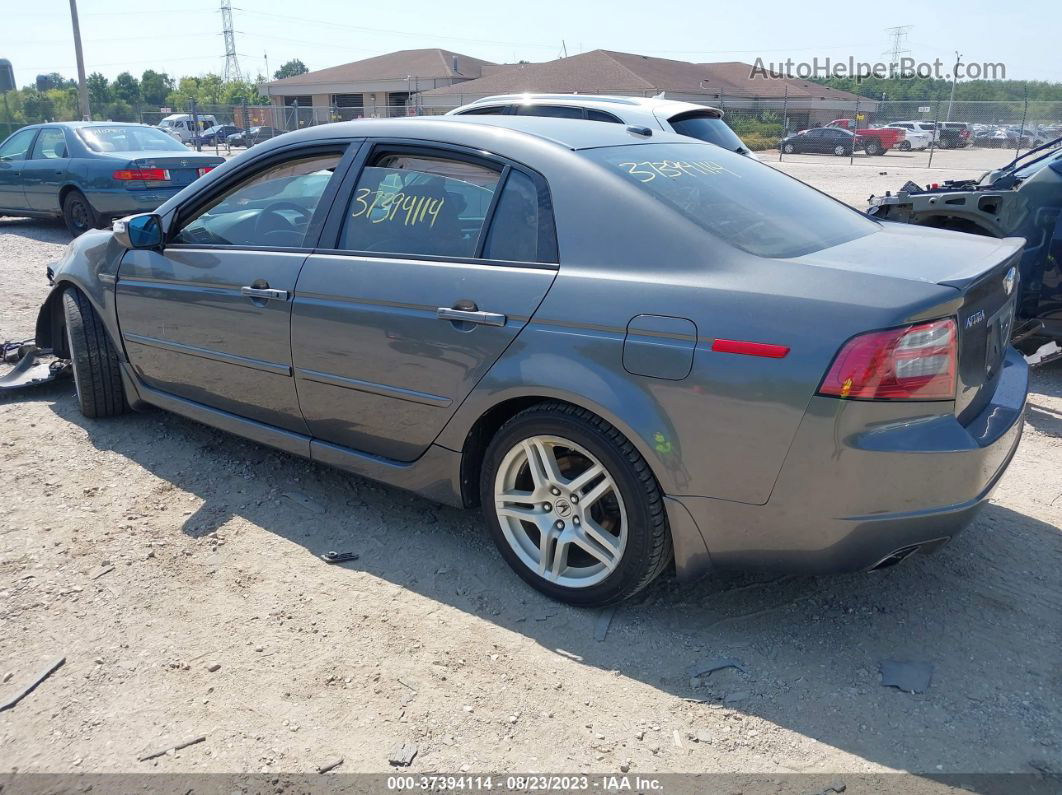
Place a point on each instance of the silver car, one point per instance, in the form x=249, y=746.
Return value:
x=628, y=348
x=702, y=122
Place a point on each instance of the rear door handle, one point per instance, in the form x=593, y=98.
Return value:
x=470, y=316
x=265, y=293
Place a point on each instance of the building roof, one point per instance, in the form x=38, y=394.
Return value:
x=606, y=71
x=427, y=63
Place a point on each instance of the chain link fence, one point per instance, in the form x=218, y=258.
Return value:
x=910, y=133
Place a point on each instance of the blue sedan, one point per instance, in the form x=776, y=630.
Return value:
x=89, y=173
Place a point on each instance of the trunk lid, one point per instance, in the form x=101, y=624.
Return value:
x=983, y=270
x=184, y=169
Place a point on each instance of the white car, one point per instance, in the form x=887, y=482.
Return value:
x=653, y=113
x=915, y=139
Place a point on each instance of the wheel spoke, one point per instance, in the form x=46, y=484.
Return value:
x=596, y=493
x=582, y=480
x=546, y=552
x=599, y=543
x=560, y=558
x=515, y=512
x=603, y=555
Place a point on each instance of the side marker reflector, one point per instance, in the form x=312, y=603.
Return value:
x=751, y=348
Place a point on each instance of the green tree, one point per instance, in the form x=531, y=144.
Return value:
x=155, y=86
x=99, y=89
x=126, y=88
x=290, y=69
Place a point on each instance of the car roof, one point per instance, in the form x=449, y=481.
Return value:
x=628, y=107
x=486, y=131
x=79, y=124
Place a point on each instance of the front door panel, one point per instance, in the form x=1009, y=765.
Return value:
x=189, y=330
x=377, y=369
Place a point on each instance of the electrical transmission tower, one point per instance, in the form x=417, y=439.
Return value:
x=898, y=48
x=232, y=65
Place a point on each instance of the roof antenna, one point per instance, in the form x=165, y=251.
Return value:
x=565, y=48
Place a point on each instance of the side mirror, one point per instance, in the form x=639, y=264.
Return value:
x=139, y=231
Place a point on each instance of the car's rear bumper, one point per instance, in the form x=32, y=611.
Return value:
x=858, y=488
x=120, y=202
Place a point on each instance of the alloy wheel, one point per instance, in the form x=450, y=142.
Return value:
x=560, y=511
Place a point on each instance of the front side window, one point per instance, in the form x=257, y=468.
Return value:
x=16, y=147
x=419, y=205
x=272, y=208
x=745, y=203
x=128, y=139
x=50, y=145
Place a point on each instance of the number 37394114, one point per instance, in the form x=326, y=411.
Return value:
x=382, y=205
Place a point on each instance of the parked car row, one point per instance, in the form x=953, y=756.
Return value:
x=627, y=346
x=1014, y=136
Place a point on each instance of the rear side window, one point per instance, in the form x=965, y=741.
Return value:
x=522, y=227
x=748, y=204
x=710, y=129
x=419, y=205
x=600, y=115
x=51, y=144
x=553, y=111
x=494, y=110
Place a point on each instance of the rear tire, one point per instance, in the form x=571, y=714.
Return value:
x=905, y=146
x=97, y=375
x=619, y=503
x=789, y=149
x=873, y=147
x=78, y=213
x=842, y=151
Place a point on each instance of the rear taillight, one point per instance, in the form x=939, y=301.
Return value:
x=150, y=174
x=204, y=170
x=908, y=363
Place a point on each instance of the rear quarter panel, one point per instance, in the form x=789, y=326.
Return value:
x=724, y=430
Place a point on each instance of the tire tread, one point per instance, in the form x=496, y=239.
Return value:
x=101, y=393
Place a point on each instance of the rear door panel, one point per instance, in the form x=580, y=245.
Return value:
x=376, y=369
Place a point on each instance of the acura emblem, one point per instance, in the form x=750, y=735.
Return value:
x=1008, y=281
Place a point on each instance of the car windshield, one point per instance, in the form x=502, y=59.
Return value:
x=748, y=204
x=128, y=139
x=706, y=128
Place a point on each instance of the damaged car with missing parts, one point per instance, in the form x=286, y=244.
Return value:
x=1023, y=199
x=628, y=347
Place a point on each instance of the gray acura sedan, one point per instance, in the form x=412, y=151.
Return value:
x=629, y=347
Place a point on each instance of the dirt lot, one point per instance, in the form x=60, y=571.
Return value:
x=149, y=550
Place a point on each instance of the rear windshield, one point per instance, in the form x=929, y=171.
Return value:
x=706, y=128
x=746, y=203
x=128, y=139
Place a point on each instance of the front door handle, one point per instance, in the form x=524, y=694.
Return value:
x=471, y=316
x=265, y=293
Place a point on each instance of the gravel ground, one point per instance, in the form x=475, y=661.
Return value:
x=176, y=569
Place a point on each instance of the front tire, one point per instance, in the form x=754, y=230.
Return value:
x=97, y=375
x=78, y=213
x=873, y=147
x=573, y=507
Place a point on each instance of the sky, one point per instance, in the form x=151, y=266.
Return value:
x=121, y=35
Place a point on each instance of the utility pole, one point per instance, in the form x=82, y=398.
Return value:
x=82, y=85
x=954, y=77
